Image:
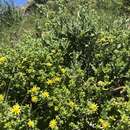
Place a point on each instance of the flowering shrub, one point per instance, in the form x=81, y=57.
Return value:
x=72, y=77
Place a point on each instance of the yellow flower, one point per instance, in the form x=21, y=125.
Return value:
x=45, y=94
x=49, y=64
x=16, y=109
x=30, y=123
x=34, y=89
x=34, y=99
x=1, y=98
x=2, y=59
x=49, y=82
x=93, y=107
x=53, y=124
x=104, y=124
x=56, y=79
x=71, y=104
x=63, y=70
x=53, y=80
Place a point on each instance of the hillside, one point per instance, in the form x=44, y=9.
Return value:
x=65, y=65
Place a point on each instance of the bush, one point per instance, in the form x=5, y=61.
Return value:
x=73, y=76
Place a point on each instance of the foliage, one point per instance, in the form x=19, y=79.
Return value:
x=71, y=73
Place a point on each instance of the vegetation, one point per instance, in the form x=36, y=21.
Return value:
x=67, y=67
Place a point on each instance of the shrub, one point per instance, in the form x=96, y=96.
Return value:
x=73, y=76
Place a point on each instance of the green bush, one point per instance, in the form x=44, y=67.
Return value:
x=74, y=75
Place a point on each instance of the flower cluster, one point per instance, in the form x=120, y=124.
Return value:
x=53, y=124
x=16, y=109
x=104, y=124
x=30, y=124
x=2, y=59
x=93, y=107
x=53, y=80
